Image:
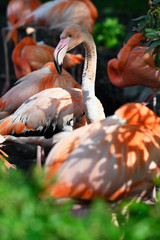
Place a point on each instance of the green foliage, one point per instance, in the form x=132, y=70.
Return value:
x=149, y=25
x=109, y=33
x=23, y=215
x=143, y=222
x=129, y=8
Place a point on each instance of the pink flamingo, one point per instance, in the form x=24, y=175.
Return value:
x=16, y=10
x=28, y=56
x=133, y=66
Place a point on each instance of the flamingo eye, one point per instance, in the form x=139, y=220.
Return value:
x=70, y=35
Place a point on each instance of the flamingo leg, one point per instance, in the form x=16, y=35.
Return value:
x=7, y=80
x=154, y=100
x=40, y=156
x=151, y=97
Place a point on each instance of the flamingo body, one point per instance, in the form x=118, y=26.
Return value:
x=19, y=9
x=29, y=56
x=109, y=158
x=133, y=66
x=46, y=112
x=60, y=13
x=34, y=82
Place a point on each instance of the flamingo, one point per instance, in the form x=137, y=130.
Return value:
x=46, y=112
x=32, y=83
x=111, y=158
x=16, y=10
x=19, y=9
x=29, y=55
x=133, y=66
x=60, y=109
x=57, y=14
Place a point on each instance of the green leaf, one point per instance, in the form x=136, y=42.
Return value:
x=153, y=45
x=155, y=2
x=151, y=33
x=157, y=60
x=144, y=24
x=139, y=18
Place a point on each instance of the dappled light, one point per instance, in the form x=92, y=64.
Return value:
x=106, y=160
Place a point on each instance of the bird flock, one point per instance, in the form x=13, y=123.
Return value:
x=91, y=156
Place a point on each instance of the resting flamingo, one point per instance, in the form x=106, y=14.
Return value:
x=57, y=14
x=16, y=10
x=60, y=109
x=29, y=55
x=133, y=66
x=111, y=158
x=32, y=83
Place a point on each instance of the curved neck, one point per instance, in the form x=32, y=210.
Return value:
x=93, y=108
x=124, y=53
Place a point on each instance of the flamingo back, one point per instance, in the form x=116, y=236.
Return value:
x=51, y=110
x=19, y=9
x=102, y=160
x=58, y=14
x=34, y=82
x=28, y=56
x=133, y=66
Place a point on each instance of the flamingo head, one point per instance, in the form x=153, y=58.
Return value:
x=71, y=37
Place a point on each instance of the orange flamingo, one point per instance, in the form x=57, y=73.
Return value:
x=135, y=67
x=34, y=82
x=28, y=56
x=111, y=158
x=16, y=10
x=51, y=110
x=19, y=9
x=56, y=15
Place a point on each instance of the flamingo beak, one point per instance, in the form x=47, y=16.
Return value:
x=60, y=52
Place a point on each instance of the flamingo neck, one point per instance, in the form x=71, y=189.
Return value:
x=124, y=53
x=93, y=108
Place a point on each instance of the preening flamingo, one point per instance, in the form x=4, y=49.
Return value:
x=32, y=83
x=57, y=14
x=29, y=55
x=110, y=158
x=133, y=66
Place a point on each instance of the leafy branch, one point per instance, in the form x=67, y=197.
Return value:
x=149, y=26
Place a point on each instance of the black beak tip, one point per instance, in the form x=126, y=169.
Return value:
x=58, y=67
